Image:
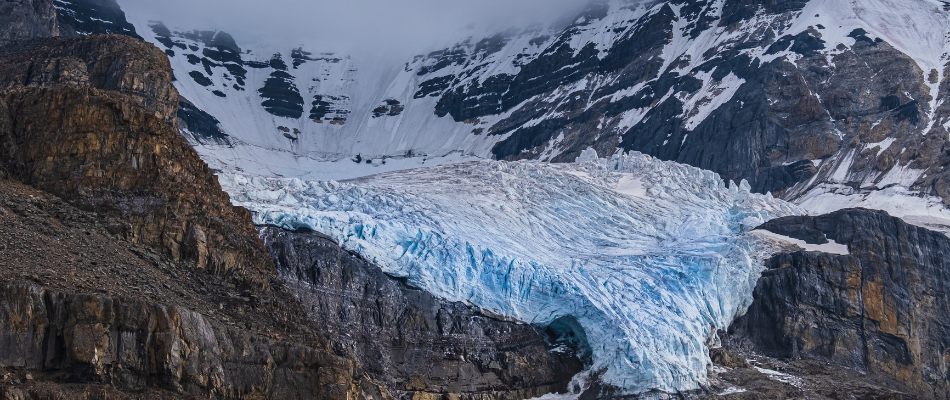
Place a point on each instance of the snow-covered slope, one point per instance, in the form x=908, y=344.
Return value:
x=795, y=96
x=293, y=111
x=643, y=258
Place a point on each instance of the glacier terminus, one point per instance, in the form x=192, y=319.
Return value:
x=640, y=260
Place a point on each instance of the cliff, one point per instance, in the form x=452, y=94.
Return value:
x=880, y=310
x=90, y=120
x=412, y=342
x=25, y=19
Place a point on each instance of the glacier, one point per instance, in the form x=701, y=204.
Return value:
x=646, y=259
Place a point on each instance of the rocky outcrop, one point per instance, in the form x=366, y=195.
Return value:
x=92, y=120
x=134, y=345
x=198, y=126
x=27, y=19
x=108, y=62
x=881, y=310
x=413, y=343
x=84, y=314
x=102, y=152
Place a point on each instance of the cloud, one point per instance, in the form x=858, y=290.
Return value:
x=392, y=26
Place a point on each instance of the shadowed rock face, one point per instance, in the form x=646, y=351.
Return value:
x=26, y=19
x=412, y=342
x=199, y=126
x=882, y=309
x=85, y=17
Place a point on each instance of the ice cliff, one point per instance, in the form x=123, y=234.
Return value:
x=644, y=259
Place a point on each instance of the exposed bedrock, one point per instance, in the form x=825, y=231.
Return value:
x=25, y=19
x=133, y=345
x=881, y=310
x=415, y=344
x=108, y=62
x=102, y=152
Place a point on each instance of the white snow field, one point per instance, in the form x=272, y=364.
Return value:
x=364, y=79
x=649, y=257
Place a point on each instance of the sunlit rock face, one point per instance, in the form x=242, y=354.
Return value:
x=877, y=308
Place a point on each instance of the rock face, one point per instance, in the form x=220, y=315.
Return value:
x=134, y=345
x=85, y=17
x=107, y=62
x=116, y=150
x=103, y=153
x=26, y=19
x=882, y=309
x=84, y=314
x=412, y=342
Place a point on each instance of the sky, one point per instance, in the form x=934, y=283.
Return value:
x=392, y=26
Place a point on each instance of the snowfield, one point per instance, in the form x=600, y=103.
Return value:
x=648, y=257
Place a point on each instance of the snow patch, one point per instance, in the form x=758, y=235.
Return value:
x=831, y=247
x=924, y=211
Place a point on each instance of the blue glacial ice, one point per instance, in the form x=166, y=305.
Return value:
x=649, y=257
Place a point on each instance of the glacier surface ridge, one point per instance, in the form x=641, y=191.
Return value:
x=645, y=259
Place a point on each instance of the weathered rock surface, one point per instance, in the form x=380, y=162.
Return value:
x=881, y=310
x=102, y=152
x=108, y=62
x=26, y=19
x=85, y=314
x=134, y=345
x=412, y=342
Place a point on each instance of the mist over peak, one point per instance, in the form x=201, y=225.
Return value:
x=355, y=26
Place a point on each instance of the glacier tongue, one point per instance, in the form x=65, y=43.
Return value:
x=649, y=257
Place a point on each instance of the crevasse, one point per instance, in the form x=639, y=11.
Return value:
x=649, y=257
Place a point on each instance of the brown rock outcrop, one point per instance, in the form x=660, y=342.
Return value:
x=881, y=310
x=134, y=345
x=108, y=62
x=102, y=152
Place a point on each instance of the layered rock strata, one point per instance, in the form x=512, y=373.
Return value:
x=881, y=310
x=108, y=62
